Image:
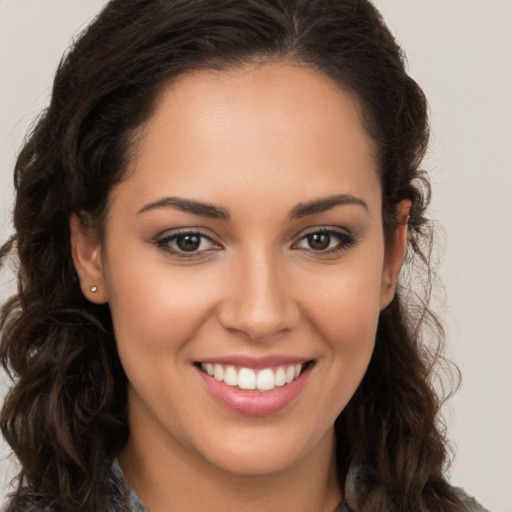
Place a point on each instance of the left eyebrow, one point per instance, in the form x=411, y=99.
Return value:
x=326, y=203
x=189, y=206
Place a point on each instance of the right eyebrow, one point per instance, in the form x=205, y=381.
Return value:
x=189, y=206
x=326, y=203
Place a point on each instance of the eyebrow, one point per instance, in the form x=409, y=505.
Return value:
x=326, y=203
x=208, y=210
x=189, y=206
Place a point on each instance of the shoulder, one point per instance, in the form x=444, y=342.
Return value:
x=356, y=487
x=130, y=498
x=119, y=498
x=29, y=505
x=471, y=504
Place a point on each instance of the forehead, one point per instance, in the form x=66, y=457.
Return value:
x=251, y=130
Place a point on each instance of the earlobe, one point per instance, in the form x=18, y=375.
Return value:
x=394, y=254
x=86, y=251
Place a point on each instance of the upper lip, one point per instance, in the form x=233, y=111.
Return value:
x=256, y=363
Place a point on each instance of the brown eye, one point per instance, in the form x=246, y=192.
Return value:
x=319, y=241
x=326, y=241
x=188, y=243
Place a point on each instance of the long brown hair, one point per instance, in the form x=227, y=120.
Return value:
x=65, y=415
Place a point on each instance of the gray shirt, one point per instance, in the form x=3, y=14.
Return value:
x=137, y=505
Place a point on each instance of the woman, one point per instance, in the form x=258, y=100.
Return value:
x=210, y=220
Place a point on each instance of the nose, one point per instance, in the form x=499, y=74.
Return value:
x=259, y=302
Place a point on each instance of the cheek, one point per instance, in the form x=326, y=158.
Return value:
x=344, y=303
x=156, y=307
x=347, y=323
x=345, y=315
x=156, y=313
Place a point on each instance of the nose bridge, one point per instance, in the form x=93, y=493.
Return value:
x=259, y=302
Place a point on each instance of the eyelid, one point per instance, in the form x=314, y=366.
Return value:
x=163, y=239
x=324, y=228
x=346, y=239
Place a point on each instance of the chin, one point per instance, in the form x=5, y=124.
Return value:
x=264, y=453
x=255, y=462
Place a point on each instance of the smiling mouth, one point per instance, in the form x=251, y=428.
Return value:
x=264, y=379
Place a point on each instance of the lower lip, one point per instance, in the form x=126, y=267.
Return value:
x=255, y=403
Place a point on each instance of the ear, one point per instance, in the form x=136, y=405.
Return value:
x=86, y=250
x=394, y=254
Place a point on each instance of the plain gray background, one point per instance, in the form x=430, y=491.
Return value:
x=460, y=51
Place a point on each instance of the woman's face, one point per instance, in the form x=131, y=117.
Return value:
x=244, y=250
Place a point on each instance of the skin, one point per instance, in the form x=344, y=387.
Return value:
x=257, y=143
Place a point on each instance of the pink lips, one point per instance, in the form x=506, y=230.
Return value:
x=256, y=363
x=255, y=402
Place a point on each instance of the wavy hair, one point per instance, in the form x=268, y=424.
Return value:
x=65, y=415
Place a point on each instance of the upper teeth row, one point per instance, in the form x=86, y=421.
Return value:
x=247, y=378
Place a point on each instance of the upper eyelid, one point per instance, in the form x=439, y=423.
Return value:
x=350, y=237
x=323, y=229
x=169, y=233
x=215, y=239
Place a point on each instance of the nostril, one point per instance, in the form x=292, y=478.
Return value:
x=257, y=302
x=258, y=323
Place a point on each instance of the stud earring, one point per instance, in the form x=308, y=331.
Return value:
x=94, y=289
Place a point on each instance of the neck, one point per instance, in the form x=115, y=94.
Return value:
x=300, y=489
x=167, y=475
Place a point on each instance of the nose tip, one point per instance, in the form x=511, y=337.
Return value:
x=259, y=305
x=258, y=324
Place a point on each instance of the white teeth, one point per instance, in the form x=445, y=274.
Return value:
x=265, y=380
x=247, y=378
x=231, y=376
x=218, y=372
x=280, y=377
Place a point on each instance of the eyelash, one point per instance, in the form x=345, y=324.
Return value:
x=165, y=242
x=345, y=241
